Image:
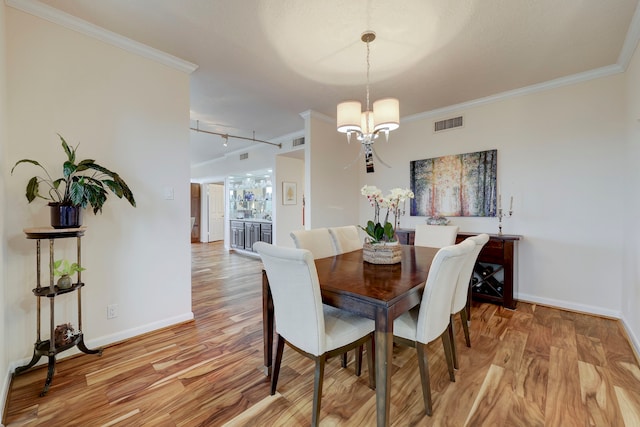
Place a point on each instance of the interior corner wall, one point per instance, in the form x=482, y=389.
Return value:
x=131, y=114
x=4, y=262
x=561, y=155
x=333, y=190
x=631, y=206
x=287, y=217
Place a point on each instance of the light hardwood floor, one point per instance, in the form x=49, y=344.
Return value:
x=535, y=366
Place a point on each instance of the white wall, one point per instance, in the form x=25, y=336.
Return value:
x=4, y=262
x=131, y=114
x=631, y=206
x=561, y=154
x=332, y=190
x=287, y=217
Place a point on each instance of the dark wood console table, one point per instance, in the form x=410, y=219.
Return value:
x=493, y=278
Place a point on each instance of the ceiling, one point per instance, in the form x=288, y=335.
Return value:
x=263, y=62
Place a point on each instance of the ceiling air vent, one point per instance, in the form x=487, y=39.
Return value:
x=244, y=156
x=298, y=141
x=447, y=124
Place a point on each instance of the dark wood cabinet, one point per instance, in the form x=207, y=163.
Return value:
x=406, y=236
x=265, y=233
x=493, y=276
x=251, y=234
x=245, y=233
x=237, y=235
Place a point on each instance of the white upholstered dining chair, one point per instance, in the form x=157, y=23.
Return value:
x=316, y=240
x=322, y=245
x=430, y=320
x=303, y=322
x=459, y=303
x=345, y=238
x=435, y=236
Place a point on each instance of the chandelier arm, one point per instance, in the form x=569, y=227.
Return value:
x=378, y=157
x=357, y=157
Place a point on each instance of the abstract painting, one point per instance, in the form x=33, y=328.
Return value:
x=456, y=185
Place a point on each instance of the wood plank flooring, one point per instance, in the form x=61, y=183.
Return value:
x=535, y=366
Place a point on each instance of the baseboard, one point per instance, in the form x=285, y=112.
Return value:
x=133, y=332
x=590, y=309
x=110, y=339
x=5, y=394
x=633, y=339
x=94, y=343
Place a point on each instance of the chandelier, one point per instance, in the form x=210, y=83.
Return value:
x=369, y=124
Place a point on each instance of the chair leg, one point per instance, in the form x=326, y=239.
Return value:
x=370, y=364
x=344, y=358
x=317, y=389
x=446, y=342
x=276, y=363
x=465, y=326
x=452, y=337
x=358, y=360
x=423, y=364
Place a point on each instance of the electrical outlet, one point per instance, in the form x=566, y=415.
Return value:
x=112, y=311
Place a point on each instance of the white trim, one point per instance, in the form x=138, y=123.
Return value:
x=134, y=332
x=113, y=338
x=635, y=342
x=312, y=113
x=71, y=22
x=551, y=84
x=4, y=393
x=590, y=309
x=631, y=41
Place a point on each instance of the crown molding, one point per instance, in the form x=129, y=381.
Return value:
x=71, y=22
x=631, y=41
x=540, y=87
x=314, y=114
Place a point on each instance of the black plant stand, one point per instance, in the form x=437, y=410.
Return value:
x=48, y=347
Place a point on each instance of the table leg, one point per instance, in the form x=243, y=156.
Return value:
x=267, y=324
x=384, y=355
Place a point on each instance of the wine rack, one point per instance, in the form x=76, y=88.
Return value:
x=494, y=272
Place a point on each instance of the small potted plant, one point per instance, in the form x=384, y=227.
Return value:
x=82, y=184
x=64, y=269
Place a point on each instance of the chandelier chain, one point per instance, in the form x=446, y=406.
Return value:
x=368, y=66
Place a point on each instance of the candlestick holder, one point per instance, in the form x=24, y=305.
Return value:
x=500, y=216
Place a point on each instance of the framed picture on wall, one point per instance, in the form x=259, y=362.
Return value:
x=456, y=185
x=289, y=193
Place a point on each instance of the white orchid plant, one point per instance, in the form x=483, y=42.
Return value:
x=392, y=203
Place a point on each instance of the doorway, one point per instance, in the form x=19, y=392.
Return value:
x=215, y=196
x=195, y=212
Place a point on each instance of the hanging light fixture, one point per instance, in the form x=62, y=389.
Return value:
x=367, y=125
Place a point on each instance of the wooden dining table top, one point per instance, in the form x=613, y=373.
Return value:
x=376, y=284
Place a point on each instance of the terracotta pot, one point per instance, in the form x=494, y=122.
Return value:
x=65, y=216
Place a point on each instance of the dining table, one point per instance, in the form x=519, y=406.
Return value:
x=381, y=292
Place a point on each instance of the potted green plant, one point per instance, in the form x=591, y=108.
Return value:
x=64, y=269
x=82, y=184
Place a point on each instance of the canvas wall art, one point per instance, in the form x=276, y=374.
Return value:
x=456, y=185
